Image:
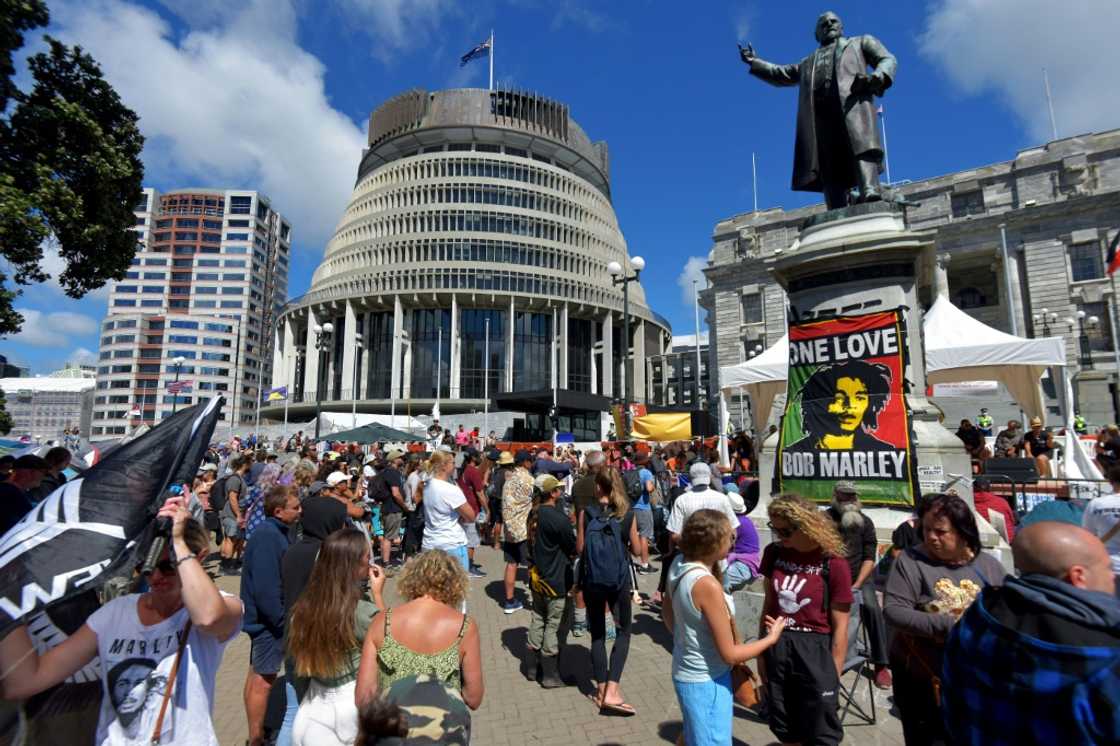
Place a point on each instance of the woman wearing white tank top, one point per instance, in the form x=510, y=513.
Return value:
x=700, y=618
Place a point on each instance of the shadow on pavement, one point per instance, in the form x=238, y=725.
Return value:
x=650, y=625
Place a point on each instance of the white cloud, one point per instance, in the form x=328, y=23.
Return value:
x=693, y=270
x=82, y=356
x=58, y=329
x=398, y=24
x=238, y=104
x=1001, y=46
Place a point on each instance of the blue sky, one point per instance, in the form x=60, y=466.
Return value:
x=275, y=95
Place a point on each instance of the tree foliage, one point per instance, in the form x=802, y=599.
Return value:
x=5, y=416
x=70, y=169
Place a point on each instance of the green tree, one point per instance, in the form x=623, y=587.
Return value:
x=5, y=416
x=70, y=167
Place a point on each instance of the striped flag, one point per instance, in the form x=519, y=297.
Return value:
x=481, y=50
x=1114, y=253
x=279, y=393
x=178, y=387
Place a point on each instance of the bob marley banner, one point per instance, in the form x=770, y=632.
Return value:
x=846, y=416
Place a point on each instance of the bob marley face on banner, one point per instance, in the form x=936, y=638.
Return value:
x=846, y=416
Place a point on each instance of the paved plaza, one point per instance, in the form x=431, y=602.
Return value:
x=516, y=712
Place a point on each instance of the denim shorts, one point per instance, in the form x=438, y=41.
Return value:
x=707, y=708
x=460, y=553
x=266, y=653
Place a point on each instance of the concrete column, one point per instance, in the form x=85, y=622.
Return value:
x=564, y=346
x=290, y=358
x=1016, y=298
x=638, y=366
x=311, y=369
x=277, y=360
x=363, y=372
x=594, y=372
x=398, y=333
x=509, y=346
x=349, y=350
x=554, y=353
x=456, y=358
x=608, y=356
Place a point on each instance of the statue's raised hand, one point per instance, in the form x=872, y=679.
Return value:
x=746, y=54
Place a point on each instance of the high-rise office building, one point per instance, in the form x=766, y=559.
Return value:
x=471, y=263
x=198, y=304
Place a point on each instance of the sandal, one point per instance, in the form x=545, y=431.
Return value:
x=620, y=709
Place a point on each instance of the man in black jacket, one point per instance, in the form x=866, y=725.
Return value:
x=553, y=545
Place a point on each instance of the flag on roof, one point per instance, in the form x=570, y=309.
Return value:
x=482, y=50
x=279, y=393
x=178, y=387
x=1114, y=253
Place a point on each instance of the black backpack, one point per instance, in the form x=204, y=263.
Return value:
x=633, y=481
x=219, y=493
x=379, y=489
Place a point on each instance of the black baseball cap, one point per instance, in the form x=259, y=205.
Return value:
x=522, y=455
x=30, y=461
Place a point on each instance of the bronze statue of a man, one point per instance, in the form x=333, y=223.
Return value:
x=838, y=145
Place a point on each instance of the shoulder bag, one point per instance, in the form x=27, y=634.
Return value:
x=171, y=678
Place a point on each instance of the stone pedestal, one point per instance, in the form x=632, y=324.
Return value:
x=860, y=260
x=1094, y=396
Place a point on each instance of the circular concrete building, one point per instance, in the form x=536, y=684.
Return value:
x=480, y=226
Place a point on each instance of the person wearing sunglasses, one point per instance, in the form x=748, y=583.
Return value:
x=809, y=587
x=142, y=634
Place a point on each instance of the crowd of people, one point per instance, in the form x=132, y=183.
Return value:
x=314, y=530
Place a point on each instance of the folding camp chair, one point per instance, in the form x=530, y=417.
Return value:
x=859, y=663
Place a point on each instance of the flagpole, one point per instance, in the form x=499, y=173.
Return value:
x=886, y=154
x=754, y=181
x=1050, y=104
x=286, y=398
x=486, y=382
x=491, y=59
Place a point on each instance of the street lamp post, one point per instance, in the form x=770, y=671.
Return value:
x=354, y=392
x=178, y=361
x=1086, y=358
x=1046, y=317
x=322, y=349
x=619, y=277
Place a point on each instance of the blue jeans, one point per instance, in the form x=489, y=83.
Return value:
x=291, y=706
x=707, y=709
x=738, y=574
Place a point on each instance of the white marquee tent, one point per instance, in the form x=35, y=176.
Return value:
x=958, y=348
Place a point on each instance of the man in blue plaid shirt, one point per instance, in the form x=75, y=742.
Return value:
x=1037, y=660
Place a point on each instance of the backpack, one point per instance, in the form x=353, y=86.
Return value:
x=378, y=489
x=633, y=481
x=218, y=496
x=604, y=564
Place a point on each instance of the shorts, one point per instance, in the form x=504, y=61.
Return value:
x=266, y=654
x=516, y=552
x=375, y=520
x=230, y=529
x=391, y=523
x=801, y=685
x=460, y=553
x=644, y=519
x=707, y=710
x=471, y=530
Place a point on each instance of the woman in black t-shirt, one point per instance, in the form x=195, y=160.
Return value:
x=1039, y=444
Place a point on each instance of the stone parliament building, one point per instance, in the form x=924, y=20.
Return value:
x=1058, y=205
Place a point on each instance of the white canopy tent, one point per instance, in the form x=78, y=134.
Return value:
x=958, y=348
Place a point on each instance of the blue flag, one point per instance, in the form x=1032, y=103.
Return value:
x=482, y=50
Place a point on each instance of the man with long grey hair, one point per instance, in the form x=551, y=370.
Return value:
x=860, y=550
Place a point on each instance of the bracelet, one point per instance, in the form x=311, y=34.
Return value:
x=181, y=560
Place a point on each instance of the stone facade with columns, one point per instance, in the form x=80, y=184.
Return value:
x=472, y=260
x=1056, y=206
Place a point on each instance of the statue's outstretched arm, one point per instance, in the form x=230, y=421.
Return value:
x=779, y=75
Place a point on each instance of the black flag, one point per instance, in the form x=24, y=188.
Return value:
x=91, y=526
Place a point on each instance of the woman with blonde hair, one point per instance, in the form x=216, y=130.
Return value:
x=328, y=626
x=425, y=635
x=705, y=642
x=809, y=588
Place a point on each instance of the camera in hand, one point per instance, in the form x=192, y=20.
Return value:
x=161, y=535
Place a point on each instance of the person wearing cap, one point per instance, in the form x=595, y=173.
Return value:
x=389, y=493
x=553, y=543
x=1039, y=444
x=861, y=551
x=984, y=422
x=517, y=499
x=15, y=492
x=742, y=560
x=470, y=482
x=496, y=481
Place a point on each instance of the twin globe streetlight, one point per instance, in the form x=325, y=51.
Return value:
x=619, y=277
x=322, y=342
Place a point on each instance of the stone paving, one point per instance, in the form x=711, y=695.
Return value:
x=515, y=711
